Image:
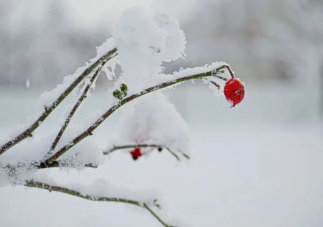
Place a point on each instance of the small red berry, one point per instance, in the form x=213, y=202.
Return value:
x=234, y=91
x=136, y=153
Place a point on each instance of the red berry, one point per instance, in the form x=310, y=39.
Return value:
x=234, y=91
x=136, y=153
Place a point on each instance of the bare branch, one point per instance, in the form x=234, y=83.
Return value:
x=124, y=101
x=62, y=164
x=114, y=148
x=50, y=188
x=48, y=110
x=77, y=104
x=158, y=218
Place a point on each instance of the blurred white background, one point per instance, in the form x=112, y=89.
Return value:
x=259, y=164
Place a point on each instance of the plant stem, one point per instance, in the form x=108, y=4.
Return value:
x=114, y=148
x=158, y=218
x=62, y=164
x=48, y=110
x=35, y=184
x=50, y=188
x=77, y=104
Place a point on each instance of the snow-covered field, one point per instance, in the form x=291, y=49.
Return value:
x=258, y=165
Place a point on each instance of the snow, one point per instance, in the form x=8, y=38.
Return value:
x=255, y=174
x=87, y=152
x=101, y=188
x=109, y=67
x=249, y=166
x=176, y=41
x=154, y=120
x=34, y=150
x=139, y=41
x=237, y=176
x=145, y=40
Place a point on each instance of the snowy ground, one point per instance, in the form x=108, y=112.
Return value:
x=260, y=165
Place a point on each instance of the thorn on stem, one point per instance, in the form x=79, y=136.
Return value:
x=218, y=86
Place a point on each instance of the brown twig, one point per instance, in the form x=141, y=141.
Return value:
x=214, y=72
x=77, y=104
x=114, y=148
x=50, y=188
x=62, y=164
x=48, y=110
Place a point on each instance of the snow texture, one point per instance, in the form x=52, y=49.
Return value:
x=154, y=121
x=144, y=41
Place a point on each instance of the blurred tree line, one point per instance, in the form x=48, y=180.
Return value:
x=265, y=40
x=42, y=48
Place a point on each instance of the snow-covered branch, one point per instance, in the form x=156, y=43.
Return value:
x=77, y=104
x=62, y=164
x=89, y=131
x=158, y=147
x=49, y=109
x=50, y=188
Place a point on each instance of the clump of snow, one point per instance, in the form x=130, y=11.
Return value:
x=176, y=41
x=109, y=67
x=144, y=41
x=139, y=41
x=154, y=121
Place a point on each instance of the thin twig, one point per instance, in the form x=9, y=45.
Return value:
x=35, y=184
x=158, y=218
x=77, y=104
x=13, y=168
x=223, y=67
x=62, y=164
x=114, y=148
x=122, y=102
x=50, y=188
x=185, y=155
x=48, y=110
